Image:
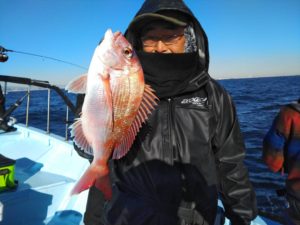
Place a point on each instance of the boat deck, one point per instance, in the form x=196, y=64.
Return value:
x=46, y=169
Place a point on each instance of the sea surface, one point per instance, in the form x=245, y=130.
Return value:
x=257, y=101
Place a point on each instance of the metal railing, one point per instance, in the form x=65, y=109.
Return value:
x=49, y=87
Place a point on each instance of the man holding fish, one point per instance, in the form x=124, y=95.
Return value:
x=169, y=131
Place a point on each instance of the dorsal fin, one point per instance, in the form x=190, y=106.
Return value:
x=78, y=85
x=147, y=105
x=79, y=138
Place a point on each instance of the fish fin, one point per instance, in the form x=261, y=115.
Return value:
x=149, y=101
x=79, y=138
x=89, y=178
x=107, y=89
x=78, y=85
x=104, y=185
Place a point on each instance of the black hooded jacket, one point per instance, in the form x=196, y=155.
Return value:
x=188, y=153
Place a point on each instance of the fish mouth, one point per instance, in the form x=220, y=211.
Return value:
x=110, y=35
x=117, y=34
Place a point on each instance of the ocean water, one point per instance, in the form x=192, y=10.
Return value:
x=257, y=101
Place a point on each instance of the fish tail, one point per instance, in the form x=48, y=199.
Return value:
x=89, y=178
x=104, y=185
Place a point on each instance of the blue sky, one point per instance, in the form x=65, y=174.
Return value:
x=246, y=37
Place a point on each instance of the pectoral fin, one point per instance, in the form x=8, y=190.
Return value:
x=77, y=85
x=108, y=92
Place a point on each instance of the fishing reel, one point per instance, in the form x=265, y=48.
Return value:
x=3, y=56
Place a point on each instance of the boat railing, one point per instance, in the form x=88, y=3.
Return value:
x=43, y=84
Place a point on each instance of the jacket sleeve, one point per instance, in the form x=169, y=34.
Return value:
x=236, y=191
x=275, y=140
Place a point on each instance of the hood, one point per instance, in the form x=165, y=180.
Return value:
x=156, y=6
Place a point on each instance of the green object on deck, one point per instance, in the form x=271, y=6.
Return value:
x=7, y=172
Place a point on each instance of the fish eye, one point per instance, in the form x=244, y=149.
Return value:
x=127, y=52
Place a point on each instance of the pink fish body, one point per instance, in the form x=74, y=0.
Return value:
x=117, y=102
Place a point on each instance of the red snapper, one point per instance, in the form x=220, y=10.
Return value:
x=117, y=102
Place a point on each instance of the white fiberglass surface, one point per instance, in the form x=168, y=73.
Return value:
x=56, y=155
x=46, y=170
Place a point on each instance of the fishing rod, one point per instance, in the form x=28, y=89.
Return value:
x=12, y=108
x=4, y=57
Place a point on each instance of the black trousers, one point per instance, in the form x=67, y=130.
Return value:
x=294, y=210
x=94, y=213
x=95, y=210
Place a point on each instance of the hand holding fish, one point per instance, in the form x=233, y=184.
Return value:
x=117, y=102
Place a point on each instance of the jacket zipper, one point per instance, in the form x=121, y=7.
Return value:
x=172, y=154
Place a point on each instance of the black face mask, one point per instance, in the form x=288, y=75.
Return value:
x=170, y=74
